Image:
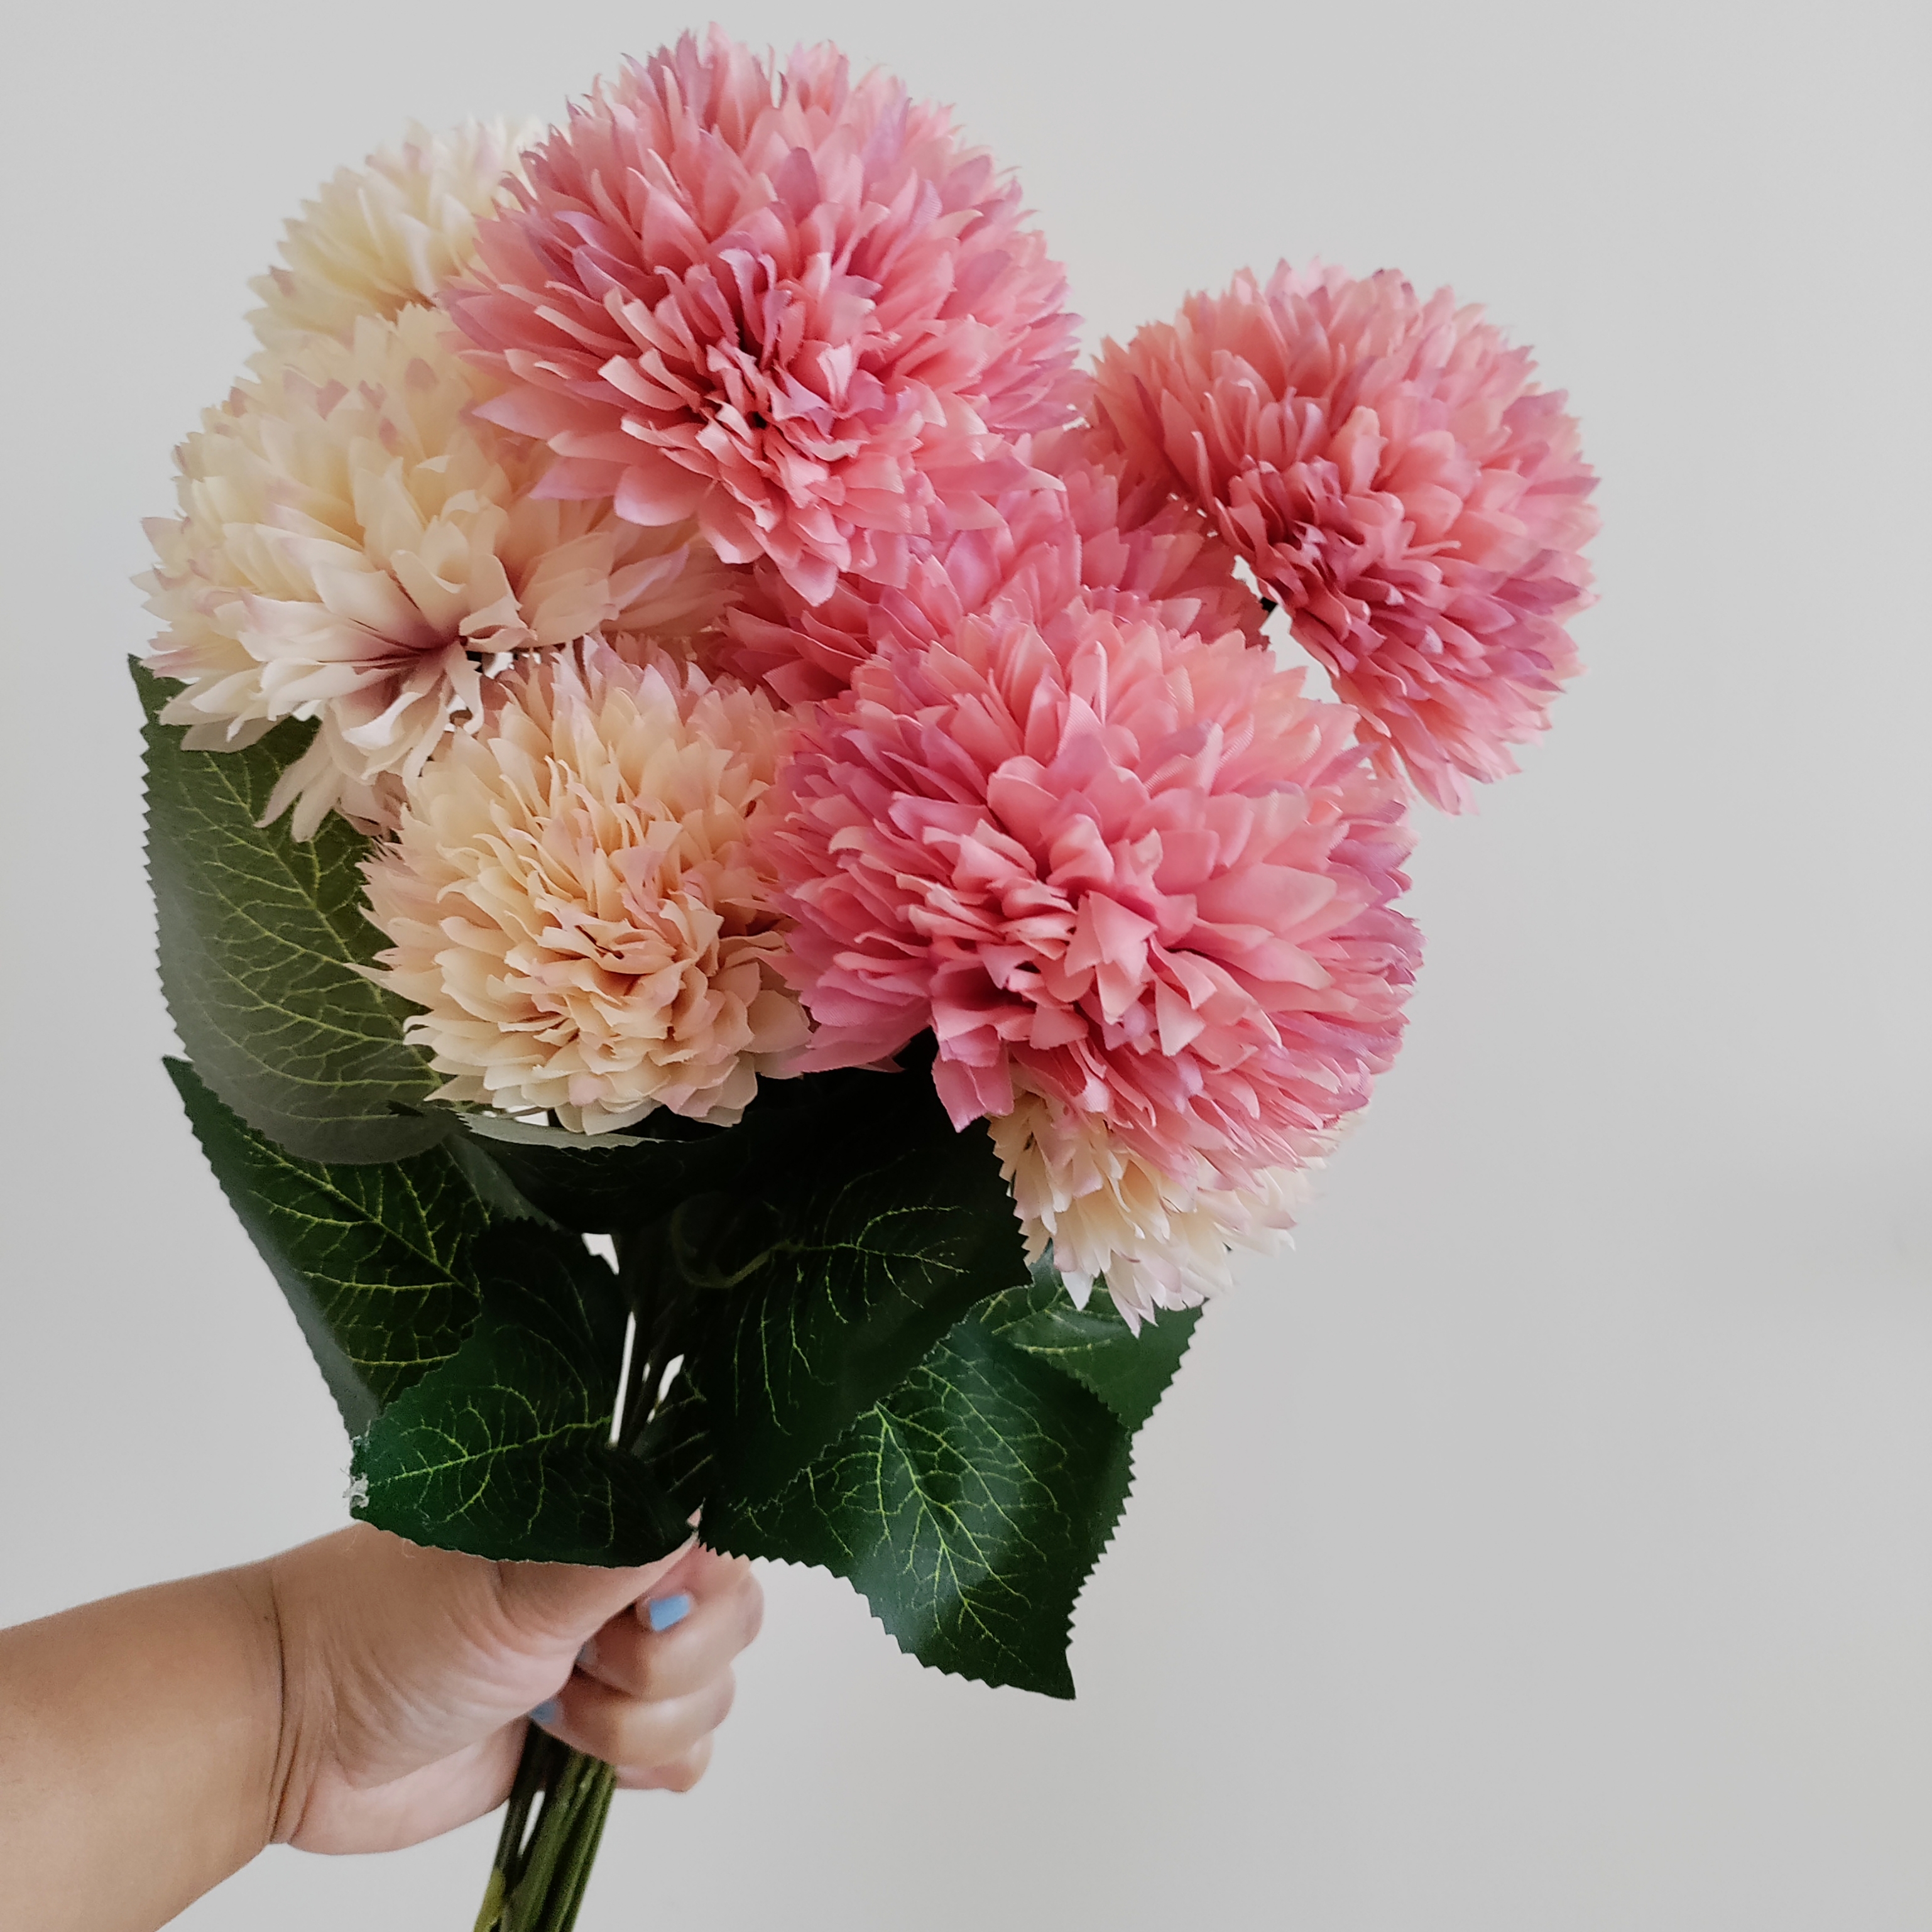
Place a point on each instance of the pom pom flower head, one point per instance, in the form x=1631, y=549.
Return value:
x=392, y=233
x=1390, y=472
x=572, y=898
x=1098, y=1208
x=1080, y=536
x=1138, y=886
x=785, y=304
x=353, y=546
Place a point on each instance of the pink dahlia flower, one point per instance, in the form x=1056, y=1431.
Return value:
x=788, y=305
x=1084, y=536
x=1136, y=875
x=1390, y=472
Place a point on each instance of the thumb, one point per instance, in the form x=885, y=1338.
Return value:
x=561, y=1604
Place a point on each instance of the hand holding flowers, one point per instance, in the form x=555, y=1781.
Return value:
x=634, y=1665
x=355, y=1694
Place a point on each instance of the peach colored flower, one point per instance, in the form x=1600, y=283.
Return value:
x=1105, y=1215
x=354, y=547
x=785, y=304
x=572, y=898
x=1391, y=472
x=1084, y=535
x=394, y=232
x=1136, y=874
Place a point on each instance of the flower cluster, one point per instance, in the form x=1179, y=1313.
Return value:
x=1083, y=535
x=355, y=547
x=752, y=646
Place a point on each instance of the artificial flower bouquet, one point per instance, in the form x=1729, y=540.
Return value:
x=752, y=911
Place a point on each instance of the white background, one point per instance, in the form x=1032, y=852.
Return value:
x=1547, y=1545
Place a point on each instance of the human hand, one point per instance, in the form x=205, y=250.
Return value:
x=408, y=1673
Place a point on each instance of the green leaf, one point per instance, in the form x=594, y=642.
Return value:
x=969, y=1507
x=261, y=938
x=505, y=1450
x=1128, y=1373
x=612, y=1183
x=598, y=1184
x=498, y=1193
x=844, y=1256
x=374, y=1261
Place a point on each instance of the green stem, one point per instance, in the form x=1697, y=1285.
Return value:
x=653, y=1289
x=542, y=1868
x=542, y=1871
x=571, y=1875
x=533, y=1770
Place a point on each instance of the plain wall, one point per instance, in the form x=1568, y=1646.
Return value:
x=1545, y=1545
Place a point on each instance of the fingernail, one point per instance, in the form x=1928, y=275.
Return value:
x=665, y=1611
x=546, y=1713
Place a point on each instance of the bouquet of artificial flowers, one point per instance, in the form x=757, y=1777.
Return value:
x=751, y=913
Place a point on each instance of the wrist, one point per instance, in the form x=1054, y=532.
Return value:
x=304, y=1709
x=232, y=1714
x=276, y=1750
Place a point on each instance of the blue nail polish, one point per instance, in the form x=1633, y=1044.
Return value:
x=665, y=1611
x=546, y=1713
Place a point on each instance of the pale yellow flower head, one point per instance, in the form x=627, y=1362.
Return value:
x=395, y=231
x=355, y=547
x=573, y=899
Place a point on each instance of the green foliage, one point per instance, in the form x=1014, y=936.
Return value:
x=374, y=1260
x=478, y=1368
x=505, y=1450
x=261, y=942
x=1128, y=1373
x=969, y=1507
x=971, y=1504
x=848, y=1247
x=859, y=1390
x=603, y=1183
x=611, y=1183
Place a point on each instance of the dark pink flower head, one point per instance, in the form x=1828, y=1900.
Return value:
x=1133, y=872
x=788, y=305
x=1390, y=472
x=1084, y=535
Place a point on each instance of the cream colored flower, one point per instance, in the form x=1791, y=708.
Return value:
x=354, y=547
x=396, y=231
x=1107, y=1212
x=572, y=900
